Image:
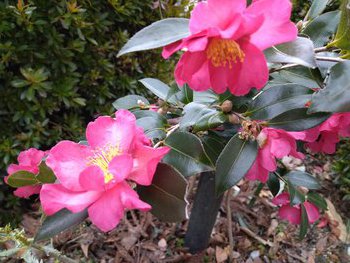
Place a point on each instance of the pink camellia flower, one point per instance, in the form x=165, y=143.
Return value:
x=102, y=176
x=29, y=161
x=325, y=137
x=273, y=143
x=293, y=213
x=225, y=47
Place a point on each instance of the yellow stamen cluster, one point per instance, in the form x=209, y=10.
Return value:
x=102, y=157
x=224, y=51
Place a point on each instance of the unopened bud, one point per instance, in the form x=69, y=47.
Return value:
x=163, y=110
x=226, y=106
x=299, y=25
x=234, y=119
x=141, y=104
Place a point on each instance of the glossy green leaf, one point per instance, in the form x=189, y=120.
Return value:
x=298, y=75
x=157, y=87
x=153, y=127
x=166, y=194
x=213, y=145
x=234, y=162
x=300, y=51
x=148, y=113
x=317, y=7
x=187, y=94
x=187, y=154
x=297, y=120
x=322, y=28
x=342, y=38
x=298, y=178
x=205, y=97
x=295, y=196
x=59, y=222
x=317, y=200
x=304, y=224
x=200, y=117
x=336, y=96
x=130, y=102
x=22, y=178
x=158, y=34
x=277, y=100
x=46, y=175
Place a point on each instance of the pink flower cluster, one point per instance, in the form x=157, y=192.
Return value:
x=273, y=143
x=225, y=47
x=101, y=176
x=325, y=137
x=293, y=213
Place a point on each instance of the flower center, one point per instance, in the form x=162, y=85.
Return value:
x=102, y=158
x=224, y=51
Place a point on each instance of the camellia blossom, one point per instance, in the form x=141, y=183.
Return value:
x=293, y=213
x=101, y=176
x=325, y=137
x=28, y=161
x=225, y=47
x=273, y=143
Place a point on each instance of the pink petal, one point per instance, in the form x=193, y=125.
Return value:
x=106, y=131
x=31, y=157
x=291, y=214
x=312, y=212
x=27, y=191
x=193, y=70
x=218, y=78
x=131, y=200
x=281, y=199
x=257, y=172
x=267, y=160
x=253, y=73
x=120, y=167
x=107, y=211
x=146, y=160
x=277, y=27
x=217, y=13
x=67, y=160
x=13, y=168
x=54, y=197
x=92, y=179
x=171, y=49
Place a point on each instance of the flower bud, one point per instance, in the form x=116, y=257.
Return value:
x=299, y=25
x=226, y=106
x=234, y=119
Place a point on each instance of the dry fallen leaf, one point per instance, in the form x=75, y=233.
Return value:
x=221, y=255
x=338, y=228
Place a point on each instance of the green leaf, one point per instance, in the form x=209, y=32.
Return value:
x=277, y=100
x=304, y=222
x=342, y=38
x=187, y=94
x=46, y=175
x=317, y=200
x=153, y=127
x=187, y=154
x=201, y=118
x=298, y=75
x=130, y=102
x=213, y=145
x=234, y=162
x=322, y=28
x=298, y=178
x=336, y=96
x=317, y=7
x=295, y=196
x=22, y=178
x=59, y=222
x=205, y=97
x=157, y=87
x=166, y=194
x=300, y=51
x=297, y=120
x=274, y=184
x=158, y=34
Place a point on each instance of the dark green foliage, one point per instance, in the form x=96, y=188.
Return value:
x=58, y=67
x=342, y=167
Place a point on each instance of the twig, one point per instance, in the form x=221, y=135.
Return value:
x=229, y=223
x=253, y=235
x=330, y=59
x=324, y=49
x=170, y=131
x=283, y=67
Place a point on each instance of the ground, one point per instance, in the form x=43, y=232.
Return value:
x=262, y=237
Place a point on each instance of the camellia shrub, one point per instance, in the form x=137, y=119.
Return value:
x=250, y=85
